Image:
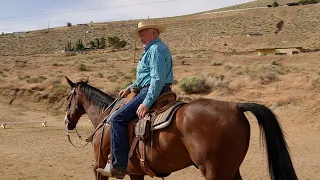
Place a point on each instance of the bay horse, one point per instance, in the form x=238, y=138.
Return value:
x=209, y=134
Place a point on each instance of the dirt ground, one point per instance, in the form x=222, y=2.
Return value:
x=30, y=151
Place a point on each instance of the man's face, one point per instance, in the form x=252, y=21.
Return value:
x=146, y=36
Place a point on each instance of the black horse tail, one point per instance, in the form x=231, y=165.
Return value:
x=279, y=161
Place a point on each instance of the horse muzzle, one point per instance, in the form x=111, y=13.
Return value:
x=68, y=124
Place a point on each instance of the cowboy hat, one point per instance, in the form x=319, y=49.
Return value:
x=146, y=25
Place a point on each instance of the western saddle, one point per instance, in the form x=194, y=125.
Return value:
x=158, y=117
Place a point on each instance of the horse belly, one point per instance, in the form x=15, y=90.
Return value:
x=169, y=153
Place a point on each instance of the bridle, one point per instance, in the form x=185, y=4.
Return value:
x=72, y=95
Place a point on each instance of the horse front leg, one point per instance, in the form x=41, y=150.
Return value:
x=101, y=152
x=137, y=177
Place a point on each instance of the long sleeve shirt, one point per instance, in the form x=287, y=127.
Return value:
x=154, y=70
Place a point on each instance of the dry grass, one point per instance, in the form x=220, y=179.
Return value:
x=215, y=33
x=315, y=83
x=210, y=45
x=257, y=3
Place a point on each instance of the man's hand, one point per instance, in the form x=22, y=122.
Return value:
x=124, y=92
x=142, y=110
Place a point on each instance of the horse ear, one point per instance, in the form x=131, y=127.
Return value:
x=72, y=84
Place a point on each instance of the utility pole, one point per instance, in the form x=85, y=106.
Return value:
x=48, y=25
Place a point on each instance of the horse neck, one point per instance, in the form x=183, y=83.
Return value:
x=95, y=113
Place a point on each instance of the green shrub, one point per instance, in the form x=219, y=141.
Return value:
x=57, y=64
x=266, y=73
x=183, y=62
x=214, y=63
x=60, y=89
x=83, y=67
x=193, y=85
x=37, y=79
x=116, y=43
x=216, y=81
x=198, y=56
x=268, y=77
x=100, y=75
x=113, y=78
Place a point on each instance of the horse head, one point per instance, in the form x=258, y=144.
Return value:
x=74, y=108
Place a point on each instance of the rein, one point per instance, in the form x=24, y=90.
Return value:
x=89, y=139
x=69, y=139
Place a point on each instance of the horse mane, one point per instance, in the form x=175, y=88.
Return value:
x=94, y=95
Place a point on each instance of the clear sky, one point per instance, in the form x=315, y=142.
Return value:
x=24, y=15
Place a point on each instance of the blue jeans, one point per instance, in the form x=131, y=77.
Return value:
x=119, y=130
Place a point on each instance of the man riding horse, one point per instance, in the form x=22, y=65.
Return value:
x=154, y=75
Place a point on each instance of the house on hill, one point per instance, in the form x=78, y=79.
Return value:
x=279, y=51
x=19, y=33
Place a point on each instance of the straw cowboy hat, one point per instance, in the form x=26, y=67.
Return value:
x=146, y=25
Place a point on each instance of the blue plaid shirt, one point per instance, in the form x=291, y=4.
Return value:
x=154, y=70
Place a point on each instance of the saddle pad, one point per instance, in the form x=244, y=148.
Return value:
x=164, y=119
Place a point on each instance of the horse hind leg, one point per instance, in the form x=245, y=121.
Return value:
x=209, y=171
x=212, y=169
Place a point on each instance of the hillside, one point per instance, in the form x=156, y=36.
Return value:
x=254, y=4
x=301, y=28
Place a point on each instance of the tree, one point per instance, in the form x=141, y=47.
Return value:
x=102, y=43
x=275, y=4
x=97, y=43
x=116, y=43
x=69, y=24
x=92, y=45
x=304, y=2
x=68, y=47
x=79, y=45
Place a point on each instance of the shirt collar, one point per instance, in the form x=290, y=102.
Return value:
x=151, y=43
